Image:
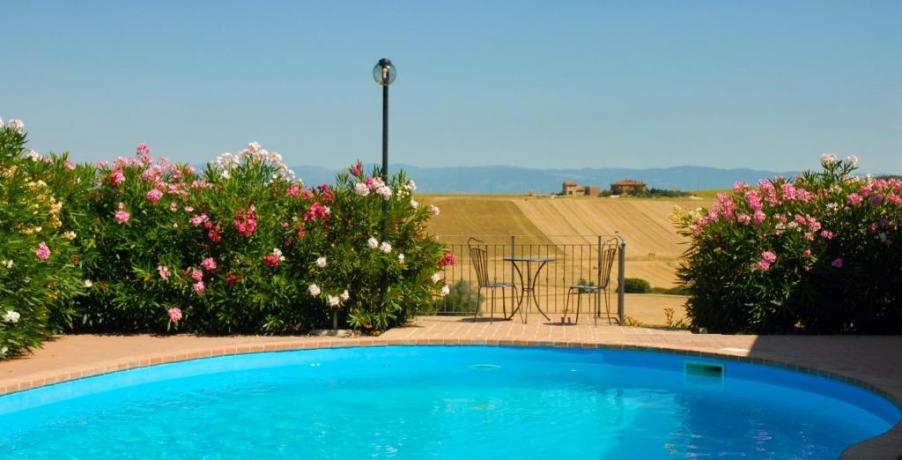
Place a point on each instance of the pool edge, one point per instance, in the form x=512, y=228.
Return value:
x=886, y=445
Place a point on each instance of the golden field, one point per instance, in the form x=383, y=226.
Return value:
x=653, y=245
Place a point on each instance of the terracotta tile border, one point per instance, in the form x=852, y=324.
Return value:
x=33, y=381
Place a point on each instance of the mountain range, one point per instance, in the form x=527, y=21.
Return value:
x=517, y=180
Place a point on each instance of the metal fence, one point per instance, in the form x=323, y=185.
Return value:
x=567, y=261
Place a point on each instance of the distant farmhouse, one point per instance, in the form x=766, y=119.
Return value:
x=623, y=187
x=570, y=188
x=629, y=187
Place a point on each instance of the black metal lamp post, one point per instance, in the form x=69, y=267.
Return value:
x=384, y=73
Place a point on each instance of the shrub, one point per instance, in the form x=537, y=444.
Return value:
x=461, y=298
x=819, y=253
x=39, y=268
x=246, y=248
x=636, y=286
x=145, y=245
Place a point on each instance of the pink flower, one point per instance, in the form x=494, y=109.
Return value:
x=316, y=212
x=293, y=190
x=827, y=234
x=837, y=263
x=142, y=149
x=357, y=170
x=743, y=218
x=173, y=206
x=164, y=272
x=197, y=275
x=245, y=222
x=213, y=234
x=175, y=314
x=855, y=198
x=198, y=219
x=199, y=287
x=117, y=178
x=154, y=195
x=209, y=264
x=759, y=217
x=42, y=252
x=70, y=165
x=122, y=216
x=447, y=259
x=767, y=258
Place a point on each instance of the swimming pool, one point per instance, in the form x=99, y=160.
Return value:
x=444, y=402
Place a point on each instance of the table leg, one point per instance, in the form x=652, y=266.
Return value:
x=533, y=292
x=516, y=309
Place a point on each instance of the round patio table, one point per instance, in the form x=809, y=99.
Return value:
x=528, y=288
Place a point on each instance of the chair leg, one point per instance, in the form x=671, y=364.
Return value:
x=567, y=302
x=607, y=304
x=579, y=304
x=503, y=304
x=492, y=314
x=478, y=301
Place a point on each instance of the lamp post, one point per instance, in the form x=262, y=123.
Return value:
x=384, y=73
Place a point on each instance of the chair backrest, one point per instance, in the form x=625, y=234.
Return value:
x=479, y=257
x=607, y=252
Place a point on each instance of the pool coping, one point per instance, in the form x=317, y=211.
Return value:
x=873, y=448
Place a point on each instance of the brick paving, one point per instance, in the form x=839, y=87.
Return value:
x=875, y=362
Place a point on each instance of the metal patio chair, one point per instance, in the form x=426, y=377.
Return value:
x=607, y=252
x=480, y=260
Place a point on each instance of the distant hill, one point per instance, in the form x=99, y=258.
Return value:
x=515, y=180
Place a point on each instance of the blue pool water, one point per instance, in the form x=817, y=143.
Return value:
x=442, y=402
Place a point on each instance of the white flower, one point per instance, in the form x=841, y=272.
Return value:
x=414, y=204
x=89, y=284
x=373, y=243
x=313, y=290
x=321, y=262
x=225, y=174
x=385, y=247
x=437, y=277
x=1, y=122
x=828, y=159
x=344, y=296
x=9, y=263
x=332, y=301
x=16, y=125
x=435, y=210
x=411, y=185
x=278, y=253
x=384, y=191
x=4, y=349
x=70, y=235
x=33, y=155
x=445, y=290
x=11, y=316
x=852, y=160
x=361, y=189
x=401, y=257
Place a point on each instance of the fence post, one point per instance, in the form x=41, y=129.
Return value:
x=621, y=265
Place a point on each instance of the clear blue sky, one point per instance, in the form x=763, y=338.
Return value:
x=540, y=84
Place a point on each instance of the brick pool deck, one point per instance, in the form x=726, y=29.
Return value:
x=875, y=362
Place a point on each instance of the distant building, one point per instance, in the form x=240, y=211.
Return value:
x=571, y=188
x=628, y=187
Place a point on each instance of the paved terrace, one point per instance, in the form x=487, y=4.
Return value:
x=872, y=361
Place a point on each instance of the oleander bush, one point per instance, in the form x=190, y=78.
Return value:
x=820, y=253
x=145, y=245
x=39, y=266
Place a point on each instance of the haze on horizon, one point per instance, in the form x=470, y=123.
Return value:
x=768, y=85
